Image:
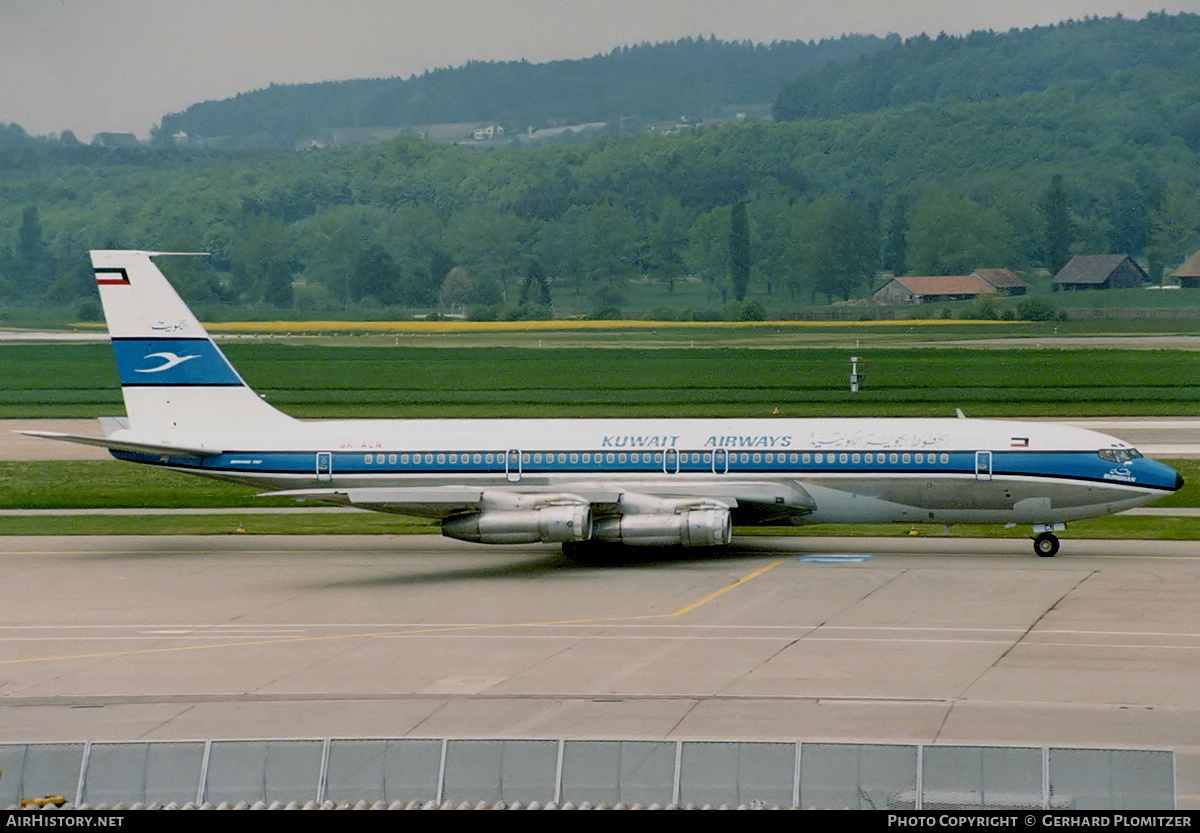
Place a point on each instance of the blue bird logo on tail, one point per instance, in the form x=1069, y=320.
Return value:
x=169, y=360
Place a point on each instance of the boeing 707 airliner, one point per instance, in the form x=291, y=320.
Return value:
x=593, y=483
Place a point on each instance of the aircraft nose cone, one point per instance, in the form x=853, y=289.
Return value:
x=1178, y=481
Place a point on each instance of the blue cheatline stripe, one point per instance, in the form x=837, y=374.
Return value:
x=172, y=361
x=1079, y=466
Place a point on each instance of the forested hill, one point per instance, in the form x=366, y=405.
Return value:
x=689, y=77
x=1099, y=55
x=1102, y=156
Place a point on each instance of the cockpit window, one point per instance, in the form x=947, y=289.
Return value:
x=1119, y=455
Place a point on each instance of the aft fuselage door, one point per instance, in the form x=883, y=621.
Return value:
x=720, y=461
x=324, y=466
x=983, y=465
x=512, y=465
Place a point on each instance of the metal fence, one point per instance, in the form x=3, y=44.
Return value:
x=588, y=773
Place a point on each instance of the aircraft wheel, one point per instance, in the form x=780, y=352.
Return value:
x=1046, y=545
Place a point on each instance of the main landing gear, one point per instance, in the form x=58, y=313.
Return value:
x=1046, y=545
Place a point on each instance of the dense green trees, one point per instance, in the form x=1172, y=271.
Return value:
x=1058, y=234
x=819, y=204
x=837, y=247
x=987, y=66
x=739, y=251
x=1173, y=225
x=641, y=83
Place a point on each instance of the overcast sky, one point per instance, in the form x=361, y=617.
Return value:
x=120, y=65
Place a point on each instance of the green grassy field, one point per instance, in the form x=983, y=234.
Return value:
x=336, y=380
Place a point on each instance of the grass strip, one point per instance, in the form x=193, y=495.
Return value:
x=323, y=380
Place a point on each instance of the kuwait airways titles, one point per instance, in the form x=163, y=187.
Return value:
x=713, y=441
x=825, y=439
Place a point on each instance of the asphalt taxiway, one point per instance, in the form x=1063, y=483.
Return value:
x=861, y=639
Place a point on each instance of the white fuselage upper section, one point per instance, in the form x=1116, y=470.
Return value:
x=648, y=435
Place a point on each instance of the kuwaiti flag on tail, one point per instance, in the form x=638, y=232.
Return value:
x=1020, y=442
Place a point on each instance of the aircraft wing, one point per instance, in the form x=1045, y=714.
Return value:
x=759, y=499
x=432, y=501
x=644, y=513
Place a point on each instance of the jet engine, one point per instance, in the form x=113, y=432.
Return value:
x=706, y=527
x=546, y=524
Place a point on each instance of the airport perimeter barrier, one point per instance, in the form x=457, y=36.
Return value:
x=582, y=773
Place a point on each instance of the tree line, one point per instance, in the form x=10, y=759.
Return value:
x=692, y=77
x=783, y=214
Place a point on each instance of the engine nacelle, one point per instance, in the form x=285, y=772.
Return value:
x=690, y=528
x=547, y=525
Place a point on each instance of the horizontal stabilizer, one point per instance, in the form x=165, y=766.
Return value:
x=156, y=449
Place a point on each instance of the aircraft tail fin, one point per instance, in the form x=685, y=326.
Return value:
x=172, y=374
